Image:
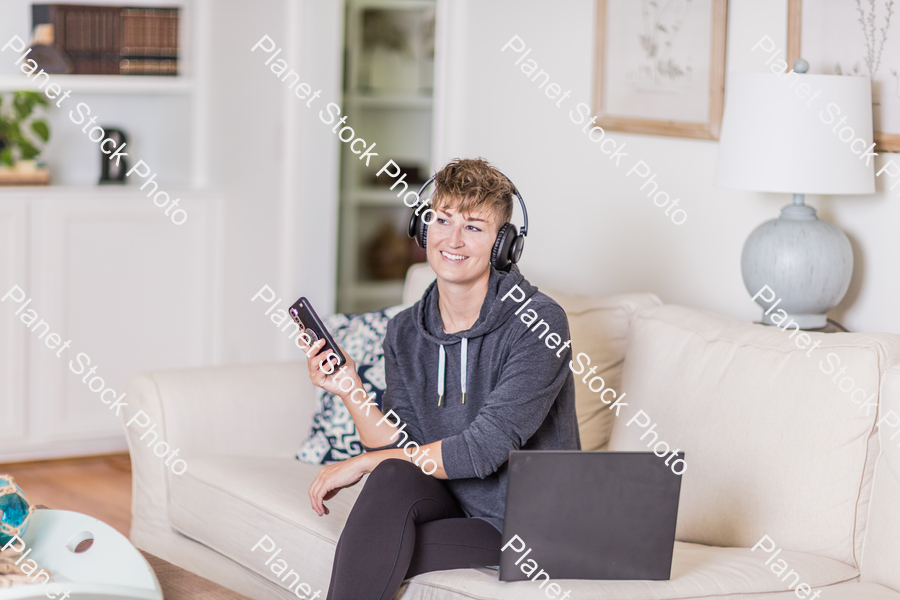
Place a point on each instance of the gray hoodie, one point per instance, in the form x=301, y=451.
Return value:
x=519, y=395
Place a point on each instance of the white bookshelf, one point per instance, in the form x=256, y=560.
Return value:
x=400, y=122
x=164, y=117
x=105, y=84
x=395, y=101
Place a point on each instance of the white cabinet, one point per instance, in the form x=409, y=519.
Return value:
x=12, y=335
x=106, y=270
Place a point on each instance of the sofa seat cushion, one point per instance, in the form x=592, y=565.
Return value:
x=850, y=590
x=697, y=571
x=773, y=443
x=230, y=503
x=862, y=591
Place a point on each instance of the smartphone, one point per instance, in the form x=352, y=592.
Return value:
x=305, y=316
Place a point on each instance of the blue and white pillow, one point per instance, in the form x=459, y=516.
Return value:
x=334, y=437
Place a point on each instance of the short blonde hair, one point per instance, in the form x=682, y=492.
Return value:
x=476, y=185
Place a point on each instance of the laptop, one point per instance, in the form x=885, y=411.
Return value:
x=589, y=515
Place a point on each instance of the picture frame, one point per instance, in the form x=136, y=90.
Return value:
x=854, y=51
x=669, y=73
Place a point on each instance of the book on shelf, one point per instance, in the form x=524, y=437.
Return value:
x=109, y=40
x=148, y=66
x=150, y=32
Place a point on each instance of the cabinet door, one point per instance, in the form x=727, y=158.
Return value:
x=130, y=290
x=12, y=332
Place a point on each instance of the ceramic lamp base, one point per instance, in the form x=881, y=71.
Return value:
x=804, y=321
x=806, y=262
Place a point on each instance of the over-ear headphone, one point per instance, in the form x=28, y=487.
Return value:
x=507, y=247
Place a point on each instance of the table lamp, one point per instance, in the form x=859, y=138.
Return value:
x=799, y=134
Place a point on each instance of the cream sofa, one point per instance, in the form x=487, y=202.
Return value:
x=774, y=448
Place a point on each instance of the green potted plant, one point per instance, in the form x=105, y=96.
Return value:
x=21, y=130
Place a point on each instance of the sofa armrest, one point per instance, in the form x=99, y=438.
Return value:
x=241, y=410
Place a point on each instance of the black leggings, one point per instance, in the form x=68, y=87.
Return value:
x=405, y=523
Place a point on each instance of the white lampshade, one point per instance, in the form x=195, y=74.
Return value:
x=773, y=141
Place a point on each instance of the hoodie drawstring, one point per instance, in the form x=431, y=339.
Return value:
x=442, y=365
x=462, y=368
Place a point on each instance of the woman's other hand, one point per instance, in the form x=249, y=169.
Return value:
x=333, y=478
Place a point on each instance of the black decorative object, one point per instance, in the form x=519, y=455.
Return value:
x=113, y=171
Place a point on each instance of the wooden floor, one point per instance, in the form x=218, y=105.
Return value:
x=100, y=486
x=95, y=486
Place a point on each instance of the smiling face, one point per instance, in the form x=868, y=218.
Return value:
x=459, y=245
x=471, y=200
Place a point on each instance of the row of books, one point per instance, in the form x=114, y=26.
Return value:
x=106, y=40
x=149, y=32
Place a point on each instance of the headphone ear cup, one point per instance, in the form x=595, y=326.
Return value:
x=422, y=238
x=412, y=227
x=515, y=251
x=417, y=229
x=500, y=252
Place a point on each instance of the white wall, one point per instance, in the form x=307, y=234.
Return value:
x=277, y=164
x=591, y=229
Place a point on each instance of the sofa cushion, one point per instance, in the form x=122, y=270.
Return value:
x=418, y=277
x=334, y=436
x=881, y=553
x=851, y=590
x=697, y=572
x=599, y=328
x=773, y=446
x=229, y=504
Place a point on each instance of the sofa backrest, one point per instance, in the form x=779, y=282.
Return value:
x=777, y=439
x=881, y=550
x=418, y=277
x=599, y=328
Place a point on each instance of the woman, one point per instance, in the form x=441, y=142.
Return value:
x=467, y=382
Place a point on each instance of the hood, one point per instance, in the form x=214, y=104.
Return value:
x=494, y=313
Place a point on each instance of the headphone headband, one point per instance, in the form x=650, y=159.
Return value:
x=523, y=230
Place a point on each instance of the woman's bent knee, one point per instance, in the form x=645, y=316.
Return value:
x=391, y=484
x=394, y=470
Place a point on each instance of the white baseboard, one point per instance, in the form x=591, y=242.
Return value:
x=69, y=449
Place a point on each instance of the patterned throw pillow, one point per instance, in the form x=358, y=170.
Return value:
x=334, y=437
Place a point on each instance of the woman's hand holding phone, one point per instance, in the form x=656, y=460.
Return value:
x=321, y=367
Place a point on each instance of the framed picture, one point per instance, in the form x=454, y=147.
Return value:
x=660, y=66
x=853, y=38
